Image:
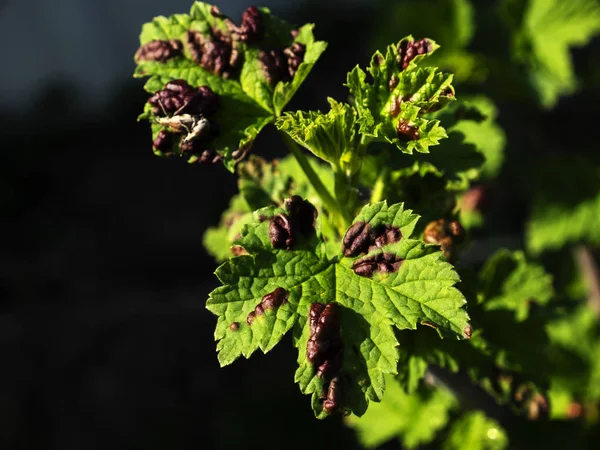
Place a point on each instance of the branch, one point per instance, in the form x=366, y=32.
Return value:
x=591, y=277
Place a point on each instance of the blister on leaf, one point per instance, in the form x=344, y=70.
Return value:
x=206, y=50
x=407, y=283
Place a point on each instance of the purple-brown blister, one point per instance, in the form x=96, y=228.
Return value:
x=302, y=214
x=357, y=239
x=395, y=106
x=408, y=131
x=275, y=299
x=313, y=315
x=331, y=403
x=250, y=317
x=381, y=262
x=274, y=66
x=328, y=325
x=158, y=50
x=295, y=57
x=364, y=269
x=234, y=326
x=214, y=53
x=386, y=234
x=281, y=233
x=407, y=51
x=252, y=29
x=163, y=141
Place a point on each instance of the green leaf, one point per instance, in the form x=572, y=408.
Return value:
x=419, y=289
x=285, y=91
x=332, y=136
x=247, y=102
x=484, y=134
x=415, y=418
x=401, y=96
x=508, y=281
x=564, y=212
x=475, y=431
x=218, y=240
x=262, y=183
x=451, y=23
x=575, y=349
x=546, y=30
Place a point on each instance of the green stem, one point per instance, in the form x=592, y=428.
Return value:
x=342, y=220
x=377, y=194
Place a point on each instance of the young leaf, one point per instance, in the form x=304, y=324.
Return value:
x=218, y=240
x=546, y=31
x=254, y=70
x=392, y=107
x=332, y=136
x=380, y=279
x=508, y=281
x=414, y=418
x=262, y=183
x=475, y=431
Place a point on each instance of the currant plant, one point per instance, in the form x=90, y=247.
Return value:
x=352, y=243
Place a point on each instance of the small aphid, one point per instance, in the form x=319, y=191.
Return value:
x=234, y=326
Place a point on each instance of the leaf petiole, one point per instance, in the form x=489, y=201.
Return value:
x=341, y=217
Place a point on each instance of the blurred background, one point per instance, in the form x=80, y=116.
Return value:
x=104, y=338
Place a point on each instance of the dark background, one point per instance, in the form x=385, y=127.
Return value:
x=104, y=339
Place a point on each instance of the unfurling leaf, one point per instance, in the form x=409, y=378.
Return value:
x=250, y=71
x=342, y=310
x=332, y=136
x=392, y=107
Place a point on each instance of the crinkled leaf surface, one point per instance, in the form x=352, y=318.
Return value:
x=421, y=290
x=546, y=31
x=475, y=431
x=247, y=101
x=420, y=90
x=262, y=183
x=414, y=418
x=332, y=136
x=509, y=282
